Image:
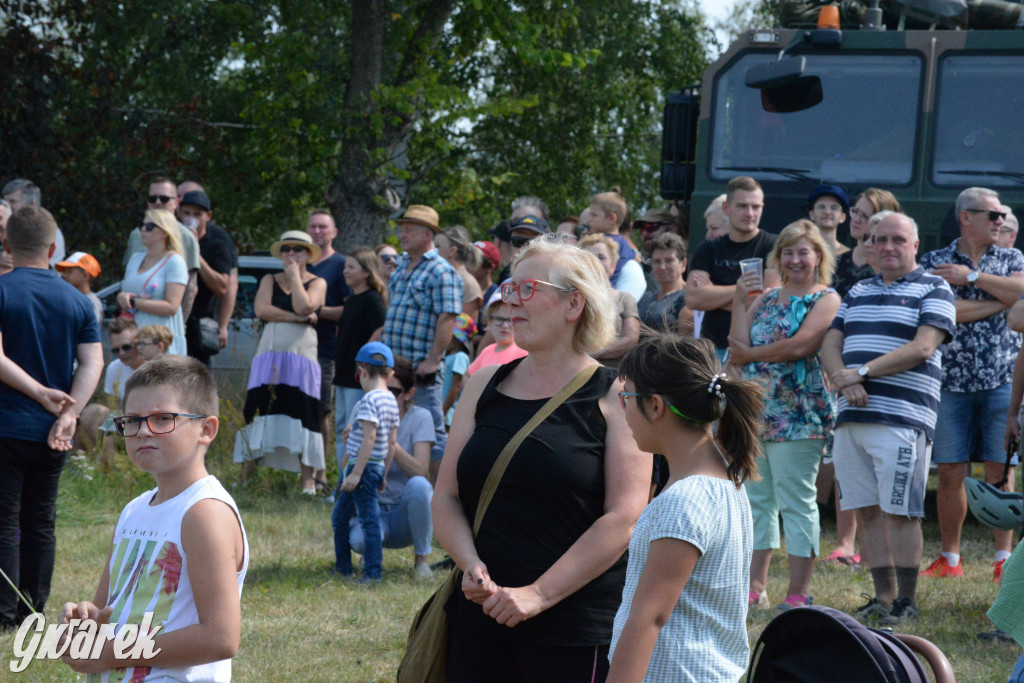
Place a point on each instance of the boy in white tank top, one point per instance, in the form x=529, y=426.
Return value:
x=179, y=552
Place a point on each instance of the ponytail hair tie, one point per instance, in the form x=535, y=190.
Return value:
x=715, y=385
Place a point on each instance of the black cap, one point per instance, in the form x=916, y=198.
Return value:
x=197, y=198
x=535, y=223
x=830, y=190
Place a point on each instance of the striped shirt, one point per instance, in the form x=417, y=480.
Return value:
x=876, y=318
x=380, y=408
x=415, y=300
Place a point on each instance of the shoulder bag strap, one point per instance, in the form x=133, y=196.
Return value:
x=151, y=275
x=498, y=469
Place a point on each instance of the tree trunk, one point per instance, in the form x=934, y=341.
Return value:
x=356, y=196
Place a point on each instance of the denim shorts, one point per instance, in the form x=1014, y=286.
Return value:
x=971, y=422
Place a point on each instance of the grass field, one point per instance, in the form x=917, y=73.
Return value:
x=301, y=624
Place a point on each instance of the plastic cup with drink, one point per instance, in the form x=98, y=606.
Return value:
x=753, y=265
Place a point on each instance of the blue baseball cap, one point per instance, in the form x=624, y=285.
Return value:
x=376, y=353
x=829, y=190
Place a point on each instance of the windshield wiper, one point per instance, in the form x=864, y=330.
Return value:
x=1013, y=175
x=791, y=173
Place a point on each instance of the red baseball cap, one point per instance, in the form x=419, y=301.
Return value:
x=490, y=252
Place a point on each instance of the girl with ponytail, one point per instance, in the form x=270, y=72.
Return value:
x=684, y=607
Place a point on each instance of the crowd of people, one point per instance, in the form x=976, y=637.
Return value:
x=545, y=399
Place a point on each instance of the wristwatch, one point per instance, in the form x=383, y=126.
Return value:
x=972, y=277
x=863, y=371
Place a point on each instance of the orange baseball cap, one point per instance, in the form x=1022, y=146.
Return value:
x=80, y=260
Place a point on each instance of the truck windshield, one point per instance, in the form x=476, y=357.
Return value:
x=979, y=110
x=862, y=133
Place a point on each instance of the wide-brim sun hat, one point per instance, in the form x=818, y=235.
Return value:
x=299, y=238
x=421, y=214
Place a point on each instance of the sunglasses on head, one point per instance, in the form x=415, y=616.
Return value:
x=290, y=248
x=520, y=241
x=149, y=227
x=992, y=215
x=159, y=198
x=124, y=348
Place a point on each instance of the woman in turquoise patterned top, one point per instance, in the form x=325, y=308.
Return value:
x=775, y=340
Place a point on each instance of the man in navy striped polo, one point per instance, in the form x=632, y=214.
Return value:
x=883, y=356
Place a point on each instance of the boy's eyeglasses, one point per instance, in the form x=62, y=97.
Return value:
x=499, y=321
x=992, y=215
x=526, y=289
x=124, y=348
x=159, y=423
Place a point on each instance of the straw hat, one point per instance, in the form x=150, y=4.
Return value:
x=296, y=237
x=420, y=215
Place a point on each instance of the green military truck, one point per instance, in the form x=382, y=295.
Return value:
x=923, y=113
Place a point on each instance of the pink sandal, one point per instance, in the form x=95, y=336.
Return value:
x=848, y=560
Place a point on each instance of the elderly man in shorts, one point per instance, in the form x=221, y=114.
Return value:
x=977, y=367
x=882, y=354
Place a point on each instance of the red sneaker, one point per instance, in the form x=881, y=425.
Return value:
x=997, y=571
x=940, y=569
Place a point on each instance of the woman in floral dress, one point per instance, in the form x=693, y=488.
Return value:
x=776, y=341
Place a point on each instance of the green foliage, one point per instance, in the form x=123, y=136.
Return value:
x=270, y=105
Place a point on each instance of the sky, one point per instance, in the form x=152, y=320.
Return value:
x=717, y=9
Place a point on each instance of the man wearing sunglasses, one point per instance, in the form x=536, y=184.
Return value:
x=163, y=194
x=977, y=366
x=45, y=326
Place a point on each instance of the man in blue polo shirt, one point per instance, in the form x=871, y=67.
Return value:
x=424, y=296
x=882, y=354
x=977, y=366
x=45, y=326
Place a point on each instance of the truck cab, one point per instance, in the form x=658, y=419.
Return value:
x=921, y=113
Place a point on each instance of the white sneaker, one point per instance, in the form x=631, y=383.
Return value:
x=423, y=570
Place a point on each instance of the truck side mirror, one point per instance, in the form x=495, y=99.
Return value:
x=783, y=86
x=801, y=94
x=774, y=74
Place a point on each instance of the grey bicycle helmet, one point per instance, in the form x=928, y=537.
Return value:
x=994, y=508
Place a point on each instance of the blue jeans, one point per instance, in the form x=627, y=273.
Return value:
x=971, y=421
x=406, y=524
x=429, y=397
x=362, y=502
x=1018, y=672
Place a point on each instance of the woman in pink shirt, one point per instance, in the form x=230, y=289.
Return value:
x=504, y=349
